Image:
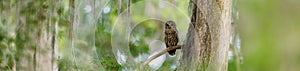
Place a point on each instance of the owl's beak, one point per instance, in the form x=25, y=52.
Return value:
x=168, y=26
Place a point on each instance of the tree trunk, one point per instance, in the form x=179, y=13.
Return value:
x=36, y=35
x=208, y=36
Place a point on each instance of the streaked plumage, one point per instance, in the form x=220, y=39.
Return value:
x=171, y=37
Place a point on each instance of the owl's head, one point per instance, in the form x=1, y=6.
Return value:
x=170, y=25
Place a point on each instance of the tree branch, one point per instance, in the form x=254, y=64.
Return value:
x=161, y=53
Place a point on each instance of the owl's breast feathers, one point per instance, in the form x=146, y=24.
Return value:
x=170, y=31
x=171, y=38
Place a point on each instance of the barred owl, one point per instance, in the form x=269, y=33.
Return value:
x=171, y=37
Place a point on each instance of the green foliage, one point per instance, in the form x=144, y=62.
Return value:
x=138, y=47
x=139, y=35
x=3, y=33
x=110, y=63
x=166, y=66
x=232, y=66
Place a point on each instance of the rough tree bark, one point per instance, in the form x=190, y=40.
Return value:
x=208, y=36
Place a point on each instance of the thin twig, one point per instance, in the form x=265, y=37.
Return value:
x=161, y=53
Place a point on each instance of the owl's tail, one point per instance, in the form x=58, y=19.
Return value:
x=172, y=52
